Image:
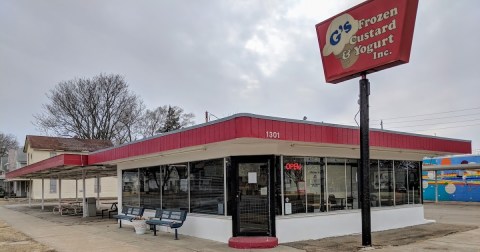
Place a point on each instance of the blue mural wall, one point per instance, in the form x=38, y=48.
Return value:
x=453, y=185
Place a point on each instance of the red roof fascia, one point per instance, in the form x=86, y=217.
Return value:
x=251, y=126
x=53, y=162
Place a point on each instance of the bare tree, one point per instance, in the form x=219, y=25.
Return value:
x=7, y=142
x=98, y=108
x=164, y=119
x=153, y=120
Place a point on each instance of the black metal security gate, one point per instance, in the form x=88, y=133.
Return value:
x=254, y=209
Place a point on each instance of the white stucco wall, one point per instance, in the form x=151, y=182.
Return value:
x=304, y=227
x=211, y=227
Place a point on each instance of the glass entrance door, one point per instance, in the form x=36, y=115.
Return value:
x=253, y=198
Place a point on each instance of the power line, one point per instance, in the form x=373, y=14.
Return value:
x=451, y=127
x=438, y=113
x=428, y=124
x=435, y=118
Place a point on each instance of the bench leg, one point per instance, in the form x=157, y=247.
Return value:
x=176, y=234
x=120, y=220
x=110, y=213
x=154, y=230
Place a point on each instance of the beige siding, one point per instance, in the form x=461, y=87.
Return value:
x=107, y=188
x=34, y=156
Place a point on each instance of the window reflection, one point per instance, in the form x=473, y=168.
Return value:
x=407, y=182
x=314, y=168
x=414, y=182
x=401, y=183
x=294, y=185
x=150, y=187
x=374, y=184
x=207, y=189
x=385, y=182
x=130, y=188
x=310, y=185
x=336, y=186
x=352, y=183
x=175, y=186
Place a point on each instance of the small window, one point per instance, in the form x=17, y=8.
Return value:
x=53, y=186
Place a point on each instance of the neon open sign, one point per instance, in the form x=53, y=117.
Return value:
x=293, y=166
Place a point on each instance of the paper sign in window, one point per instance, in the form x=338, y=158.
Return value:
x=252, y=177
x=288, y=208
x=263, y=191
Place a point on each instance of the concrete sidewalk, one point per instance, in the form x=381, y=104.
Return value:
x=106, y=236
x=457, y=229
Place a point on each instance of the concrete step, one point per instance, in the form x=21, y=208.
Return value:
x=252, y=242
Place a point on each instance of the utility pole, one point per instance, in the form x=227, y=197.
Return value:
x=364, y=172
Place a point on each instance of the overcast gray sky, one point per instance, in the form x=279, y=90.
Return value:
x=228, y=57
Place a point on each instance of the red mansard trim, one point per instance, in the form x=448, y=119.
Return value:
x=253, y=126
x=53, y=162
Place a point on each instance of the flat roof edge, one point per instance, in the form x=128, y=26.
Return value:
x=272, y=118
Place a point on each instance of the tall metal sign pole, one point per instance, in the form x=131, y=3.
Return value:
x=364, y=172
x=372, y=36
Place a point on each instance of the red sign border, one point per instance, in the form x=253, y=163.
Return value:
x=405, y=43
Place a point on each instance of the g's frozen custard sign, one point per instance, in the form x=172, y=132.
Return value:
x=369, y=37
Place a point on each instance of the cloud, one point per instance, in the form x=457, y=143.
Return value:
x=228, y=57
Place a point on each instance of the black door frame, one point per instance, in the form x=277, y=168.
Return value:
x=234, y=193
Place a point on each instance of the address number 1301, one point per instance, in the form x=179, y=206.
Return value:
x=272, y=134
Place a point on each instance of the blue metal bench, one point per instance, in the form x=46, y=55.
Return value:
x=170, y=218
x=129, y=213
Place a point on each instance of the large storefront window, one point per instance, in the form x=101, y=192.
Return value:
x=407, y=182
x=175, y=186
x=401, y=182
x=294, y=185
x=310, y=185
x=414, y=180
x=130, y=188
x=374, y=184
x=336, y=186
x=386, y=182
x=352, y=183
x=315, y=173
x=207, y=188
x=382, y=180
x=150, y=187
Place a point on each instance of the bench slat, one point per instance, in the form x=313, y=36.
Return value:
x=129, y=213
x=171, y=218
